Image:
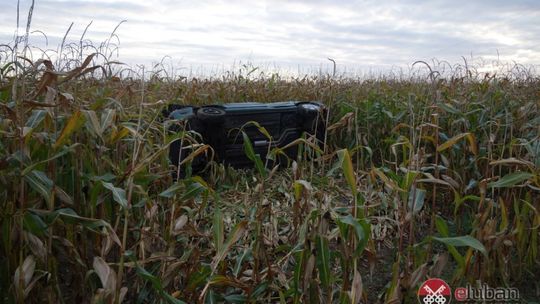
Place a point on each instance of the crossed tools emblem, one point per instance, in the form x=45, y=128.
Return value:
x=434, y=296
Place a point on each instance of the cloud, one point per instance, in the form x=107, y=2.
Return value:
x=362, y=34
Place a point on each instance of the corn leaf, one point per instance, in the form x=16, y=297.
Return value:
x=73, y=124
x=234, y=236
x=511, y=180
x=35, y=119
x=323, y=260
x=218, y=230
x=454, y=140
x=348, y=169
x=92, y=123
x=41, y=183
x=416, y=200
x=119, y=194
x=442, y=228
x=250, y=153
x=171, y=191
x=361, y=228
x=463, y=241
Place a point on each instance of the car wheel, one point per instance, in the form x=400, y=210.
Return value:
x=211, y=114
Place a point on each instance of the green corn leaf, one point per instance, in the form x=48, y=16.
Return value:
x=463, y=241
x=234, y=236
x=92, y=123
x=323, y=260
x=218, y=230
x=248, y=147
x=361, y=228
x=236, y=298
x=258, y=291
x=34, y=224
x=119, y=194
x=211, y=298
x=69, y=216
x=348, y=169
x=157, y=285
x=261, y=129
x=107, y=117
x=171, y=299
x=193, y=190
x=298, y=271
x=147, y=276
x=250, y=153
x=511, y=180
x=64, y=151
x=171, y=191
x=36, y=118
x=416, y=199
x=442, y=228
x=193, y=186
x=448, y=108
x=240, y=260
x=344, y=162
x=42, y=184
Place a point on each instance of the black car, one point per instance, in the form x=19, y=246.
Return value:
x=220, y=127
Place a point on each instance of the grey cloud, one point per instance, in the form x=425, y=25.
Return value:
x=304, y=32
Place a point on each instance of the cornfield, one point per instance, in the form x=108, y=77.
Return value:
x=421, y=176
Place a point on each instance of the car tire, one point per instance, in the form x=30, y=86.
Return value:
x=212, y=115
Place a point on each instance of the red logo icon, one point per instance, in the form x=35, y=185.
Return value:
x=434, y=291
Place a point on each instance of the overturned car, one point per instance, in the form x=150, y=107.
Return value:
x=225, y=127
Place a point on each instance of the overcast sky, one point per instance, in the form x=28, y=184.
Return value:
x=356, y=34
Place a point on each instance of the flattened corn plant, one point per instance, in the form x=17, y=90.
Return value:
x=420, y=177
